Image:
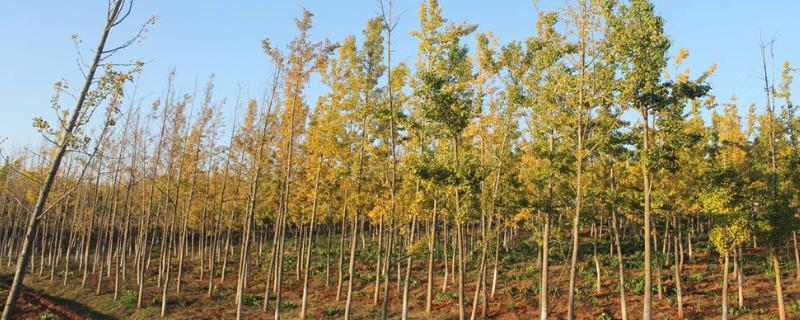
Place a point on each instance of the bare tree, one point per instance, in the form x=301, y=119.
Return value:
x=93, y=92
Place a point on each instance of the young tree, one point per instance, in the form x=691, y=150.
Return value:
x=638, y=39
x=615, y=154
x=723, y=197
x=530, y=77
x=95, y=89
x=325, y=140
x=639, y=36
x=303, y=59
x=681, y=200
x=791, y=123
x=444, y=78
x=368, y=70
x=672, y=138
x=587, y=86
x=774, y=215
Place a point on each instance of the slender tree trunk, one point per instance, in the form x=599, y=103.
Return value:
x=431, y=254
x=776, y=267
x=496, y=256
x=648, y=285
x=184, y=224
x=459, y=239
x=404, y=314
x=89, y=229
x=351, y=267
x=386, y=269
x=575, y=244
x=378, y=260
x=328, y=257
x=310, y=242
x=167, y=264
x=596, y=261
x=658, y=266
x=341, y=246
x=739, y=276
x=725, y=288
x=677, y=275
x=445, y=247
x=796, y=256
x=543, y=279
x=621, y=272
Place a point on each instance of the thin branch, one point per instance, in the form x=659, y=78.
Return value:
x=81, y=63
x=20, y=202
x=139, y=36
x=14, y=168
x=130, y=6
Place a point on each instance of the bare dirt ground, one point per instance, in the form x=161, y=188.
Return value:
x=516, y=296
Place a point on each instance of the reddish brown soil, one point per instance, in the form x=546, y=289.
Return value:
x=701, y=294
x=35, y=305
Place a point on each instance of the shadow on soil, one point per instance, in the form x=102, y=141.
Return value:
x=78, y=307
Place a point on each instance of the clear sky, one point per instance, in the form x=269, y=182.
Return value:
x=199, y=38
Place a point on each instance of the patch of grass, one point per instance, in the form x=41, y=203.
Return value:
x=333, y=312
x=586, y=272
x=366, y=277
x=518, y=276
x=697, y=277
x=440, y=296
x=128, y=298
x=47, y=315
x=634, y=261
x=737, y=310
x=604, y=316
x=181, y=302
x=794, y=307
x=669, y=290
x=514, y=292
x=252, y=300
x=288, y=305
x=583, y=290
x=70, y=274
x=635, y=285
x=532, y=291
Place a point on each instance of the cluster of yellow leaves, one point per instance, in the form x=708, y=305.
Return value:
x=727, y=238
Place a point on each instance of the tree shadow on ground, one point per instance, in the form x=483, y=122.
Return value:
x=78, y=307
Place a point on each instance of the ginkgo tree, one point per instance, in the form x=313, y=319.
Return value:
x=102, y=83
x=724, y=195
x=444, y=78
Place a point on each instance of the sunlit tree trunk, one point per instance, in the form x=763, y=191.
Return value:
x=725, y=288
x=676, y=265
x=310, y=242
x=431, y=254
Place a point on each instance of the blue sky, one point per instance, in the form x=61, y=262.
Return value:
x=198, y=38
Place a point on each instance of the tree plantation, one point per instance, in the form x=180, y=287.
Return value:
x=581, y=172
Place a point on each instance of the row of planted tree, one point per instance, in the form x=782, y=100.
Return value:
x=588, y=128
